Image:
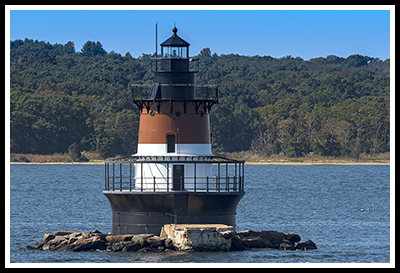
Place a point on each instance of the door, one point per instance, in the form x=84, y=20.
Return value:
x=170, y=143
x=178, y=173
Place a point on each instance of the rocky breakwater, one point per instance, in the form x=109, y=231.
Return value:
x=97, y=241
x=249, y=239
x=173, y=238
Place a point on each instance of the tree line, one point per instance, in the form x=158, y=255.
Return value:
x=327, y=106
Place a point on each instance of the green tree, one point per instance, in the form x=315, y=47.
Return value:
x=326, y=105
x=91, y=49
x=74, y=152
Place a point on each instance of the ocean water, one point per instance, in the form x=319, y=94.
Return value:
x=325, y=204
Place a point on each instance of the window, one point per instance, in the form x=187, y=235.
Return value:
x=174, y=52
x=170, y=143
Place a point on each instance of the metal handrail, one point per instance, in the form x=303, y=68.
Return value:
x=202, y=91
x=119, y=178
x=153, y=184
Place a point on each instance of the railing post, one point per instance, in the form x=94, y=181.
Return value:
x=120, y=178
x=235, y=178
x=234, y=183
x=167, y=177
x=113, y=176
x=105, y=176
x=154, y=183
x=141, y=177
x=194, y=177
x=130, y=176
x=218, y=178
x=242, y=176
x=226, y=176
x=207, y=184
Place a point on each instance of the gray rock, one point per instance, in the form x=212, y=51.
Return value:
x=306, y=245
x=155, y=241
x=72, y=240
x=62, y=233
x=237, y=244
x=169, y=244
x=28, y=247
x=294, y=238
x=90, y=244
x=57, y=240
x=47, y=237
x=132, y=246
x=73, y=235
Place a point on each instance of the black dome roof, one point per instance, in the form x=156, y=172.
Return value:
x=175, y=40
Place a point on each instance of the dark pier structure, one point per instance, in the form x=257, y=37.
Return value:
x=173, y=178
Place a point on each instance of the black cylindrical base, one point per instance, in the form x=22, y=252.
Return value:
x=142, y=212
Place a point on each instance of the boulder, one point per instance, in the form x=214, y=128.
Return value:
x=286, y=245
x=237, y=244
x=133, y=245
x=94, y=243
x=61, y=246
x=52, y=244
x=62, y=233
x=72, y=240
x=273, y=239
x=95, y=232
x=73, y=235
x=112, y=239
x=306, y=245
x=256, y=242
x=58, y=239
x=47, y=237
x=294, y=238
x=169, y=244
x=118, y=246
x=128, y=242
x=28, y=247
x=156, y=241
x=261, y=239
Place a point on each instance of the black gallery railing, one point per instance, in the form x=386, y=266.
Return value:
x=175, y=173
x=149, y=91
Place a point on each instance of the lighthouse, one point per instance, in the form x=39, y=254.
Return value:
x=173, y=178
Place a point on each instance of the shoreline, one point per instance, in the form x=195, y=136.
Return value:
x=289, y=163
x=56, y=163
x=316, y=163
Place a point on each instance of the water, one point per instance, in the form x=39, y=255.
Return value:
x=320, y=203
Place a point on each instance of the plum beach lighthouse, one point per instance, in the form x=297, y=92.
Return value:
x=173, y=178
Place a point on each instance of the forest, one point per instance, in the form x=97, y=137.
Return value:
x=62, y=100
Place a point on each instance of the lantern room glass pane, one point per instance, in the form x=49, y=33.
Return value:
x=184, y=52
x=174, y=52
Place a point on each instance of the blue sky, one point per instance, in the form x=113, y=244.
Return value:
x=304, y=33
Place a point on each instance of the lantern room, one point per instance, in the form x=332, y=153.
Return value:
x=175, y=47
